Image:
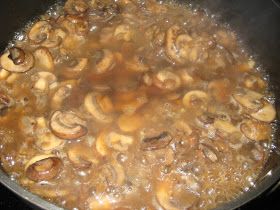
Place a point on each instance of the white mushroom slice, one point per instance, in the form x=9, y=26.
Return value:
x=123, y=32
x=248, y=98
x=39, y=31
x=43, y=167
x=137, y=64
x=48, y=142
x=16, y=60
x=93, y=107
x=67, y=125
x=167, y=80
x=224, y=126
x=81, y=156
x=118, y=141
x=266, y=114
x=44, y=80
x=106, y=62
x=195, y=99
x=257, y=131
x=100, y=145
x=61, y=93
x=43, y=59
x=76, y=68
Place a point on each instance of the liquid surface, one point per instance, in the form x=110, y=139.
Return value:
x=132, y=105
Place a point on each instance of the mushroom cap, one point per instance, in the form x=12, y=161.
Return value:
x=43, y=167
x=92, y=106
x=39, y=31
x=43, y=59
x=248, y=99
x=257, y=131
x=266, y=114
x=67, y=125
x=8, y=64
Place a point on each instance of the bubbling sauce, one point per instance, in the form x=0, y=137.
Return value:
x=132, y=105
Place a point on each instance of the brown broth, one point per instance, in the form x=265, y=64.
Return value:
x=162, y=112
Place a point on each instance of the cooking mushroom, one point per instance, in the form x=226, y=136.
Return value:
x=43, y=59
x=4, y=74
x=61, y=93
x=94, y=106
x=224, y=126
x=75, y=7
x=75, y=68
x=173, y=196
x=118, y=141
x=123, y=32
x=113, y=140
x=5, y=102
x=248, y=98
x=39, y=31
x=105, y=63
x=254, y=82
x=81, y=156
x=209, y=152
x=167, y=80
x=195, y=99
x=130, y=122
x=67, y=125
x=156, y=142
x=54, y=39
x=104, y=11
x=44, y=80
x=45, y=140
x=257, y=131
x=43, y=167
x=137, y=64
x=17, y=60
x=266, y=114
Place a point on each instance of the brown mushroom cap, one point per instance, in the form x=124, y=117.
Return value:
x=19, y=63
x=156, y=142
x=39, y=31
x=67, y=125
x=43, y=167
x=254, y=130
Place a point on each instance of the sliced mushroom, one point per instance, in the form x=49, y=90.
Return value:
x=43, y=59
x=156, y=142
x=43, y=167
x=174, y=196
x=4, y=74
x=137, y=64
x=167, y=80
x=93, y=106
x=44, y=80
x=248, y=98
x=118, y=141
x=100, y=145
x=254, y=82
x=257, y=131
x=75, y=7
x=67, y=125
x=16, y=60
x=5, y=103
x=81, y=156
x=123, y=32
x=196, y=99
x=266, y=114
x=75, y=68
x=39, y=32
x=48, y=142
x=170, y=47
x=130, y=123
x=106, y=62
x=61, y=93
x=224, y=126
x=209, y=152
